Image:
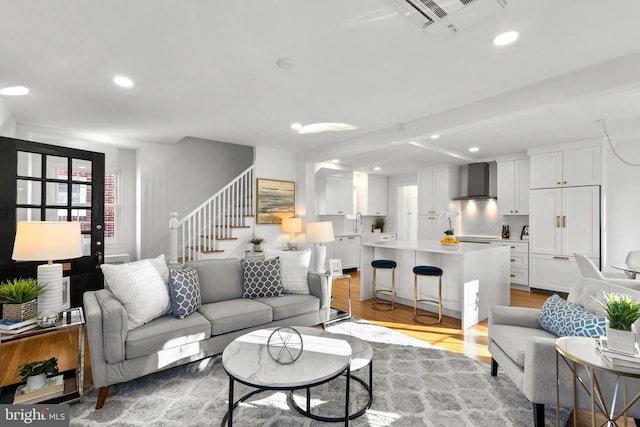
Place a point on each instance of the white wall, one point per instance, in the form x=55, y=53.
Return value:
x=393, y=182
x=622, y=204
x=7, y=122
x=178, y=178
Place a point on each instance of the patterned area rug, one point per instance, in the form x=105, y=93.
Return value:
x=415, y=384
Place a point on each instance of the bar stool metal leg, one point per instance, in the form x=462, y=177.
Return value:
x=418, y=317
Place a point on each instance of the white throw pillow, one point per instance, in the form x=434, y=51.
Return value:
x=294, y=268
x=139, y=288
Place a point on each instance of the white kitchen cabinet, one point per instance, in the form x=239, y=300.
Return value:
x=553, y=272
x=372, y=194
x=347, y=249
x=335, y=195
x=437, y=187
x=568, y=168
x=519, y=260
x=513, y=187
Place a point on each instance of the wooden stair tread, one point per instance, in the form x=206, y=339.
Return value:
x=206, y=251
x=232, y=226
x=218, y=237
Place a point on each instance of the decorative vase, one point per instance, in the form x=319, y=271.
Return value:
x=19, y=312
x=257, y=248
x=621, y=341
x=35, y=382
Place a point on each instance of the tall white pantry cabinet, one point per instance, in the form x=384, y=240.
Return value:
x=564, y=215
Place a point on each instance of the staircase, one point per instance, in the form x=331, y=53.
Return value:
x=219, y=227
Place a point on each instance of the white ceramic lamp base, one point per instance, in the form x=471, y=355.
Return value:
x=50, y=300
x=321, y=257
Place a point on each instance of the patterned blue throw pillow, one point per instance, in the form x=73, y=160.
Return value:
x=261, y=278
x=184, y=290
x=563, y=318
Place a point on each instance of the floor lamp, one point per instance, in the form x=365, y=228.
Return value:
x=320, y=232
x=48, y=241
x=292, y=226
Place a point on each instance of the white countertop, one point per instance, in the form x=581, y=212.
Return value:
x=431, y=246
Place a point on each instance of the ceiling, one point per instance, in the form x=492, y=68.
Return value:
x=208, y=69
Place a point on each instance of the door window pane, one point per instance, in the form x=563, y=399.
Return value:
x=81, y=195
x=29, y=192
x=83, y=216
x=29, y=164
x=80, y=170
x=86, y=245
x=57, y=193
x=57, y=167
x=56, y=215
x=27, y=214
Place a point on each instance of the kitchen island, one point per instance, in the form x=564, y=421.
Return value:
x=476, y=276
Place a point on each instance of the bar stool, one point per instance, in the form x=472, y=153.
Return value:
x=384, y=264
x=426, y=270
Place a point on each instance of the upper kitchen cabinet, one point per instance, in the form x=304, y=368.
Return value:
x=334, y=193
x=372, y=194
x=437, y=186
x=567, y=168
x=513, y=187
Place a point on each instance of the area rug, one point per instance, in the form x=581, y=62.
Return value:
x=415, y=384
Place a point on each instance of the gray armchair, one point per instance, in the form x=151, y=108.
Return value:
x=526, y=352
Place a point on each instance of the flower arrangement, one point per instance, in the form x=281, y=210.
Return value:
x=256, y=240
x=448, y=215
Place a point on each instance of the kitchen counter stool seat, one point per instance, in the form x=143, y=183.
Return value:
x=428, y=271
x=384, y=264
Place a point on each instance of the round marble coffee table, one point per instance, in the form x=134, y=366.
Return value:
x=246, y=360
x=362, y=356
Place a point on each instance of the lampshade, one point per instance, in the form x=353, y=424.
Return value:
x=320, y=231
x=47, y=240
x=292, y=225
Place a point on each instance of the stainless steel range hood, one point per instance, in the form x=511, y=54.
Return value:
x=476, y=182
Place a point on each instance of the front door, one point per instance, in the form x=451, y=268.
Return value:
x=40, y=182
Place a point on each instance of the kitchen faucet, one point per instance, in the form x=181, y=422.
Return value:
x=358, y=214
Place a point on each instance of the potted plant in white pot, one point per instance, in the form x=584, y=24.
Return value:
x=257, y=242
x=622, y=312
x=35, y=373
x=18, y=298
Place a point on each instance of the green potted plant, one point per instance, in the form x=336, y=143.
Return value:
x=379, y=224
x=622, y=311
x=257, y=241
x=35, y=373
x=18, y=298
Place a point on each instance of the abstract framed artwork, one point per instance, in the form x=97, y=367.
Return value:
x=276, y=200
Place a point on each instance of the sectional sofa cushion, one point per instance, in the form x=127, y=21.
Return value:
x=290, y=305
x=139, y=288
x=184, y=287
x=166, y=332
x=294, y=268
x=563, y=318
x=261, y=278
x=229, y=316
x=223, y=279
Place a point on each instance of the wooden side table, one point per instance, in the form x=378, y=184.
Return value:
x=73, y=379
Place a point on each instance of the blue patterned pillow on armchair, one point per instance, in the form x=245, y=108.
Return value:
x=563, y=318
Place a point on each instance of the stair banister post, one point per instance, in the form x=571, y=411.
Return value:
x=174, y=224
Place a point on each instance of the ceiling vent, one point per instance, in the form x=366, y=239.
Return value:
x=446, y=17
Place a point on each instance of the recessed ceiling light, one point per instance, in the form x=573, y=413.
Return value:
x=325, y=127
x=123, y=81
x=296, y=126
x=377, y=168
x=474, y=149
x=14, y=91
x=335, y=161
x=506, y=38
x=435, y=136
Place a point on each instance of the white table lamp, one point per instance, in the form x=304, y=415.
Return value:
x=320, y=232
x=48, y=241
x=292, y=226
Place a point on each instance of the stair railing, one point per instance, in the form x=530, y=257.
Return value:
x=200, y=231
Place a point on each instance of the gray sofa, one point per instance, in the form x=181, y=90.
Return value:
x=119, y=355
x=527, y=354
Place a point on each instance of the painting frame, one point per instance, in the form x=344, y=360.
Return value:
x=275, y=200
x=335, y=267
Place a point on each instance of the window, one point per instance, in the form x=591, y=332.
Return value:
x=112, y=209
